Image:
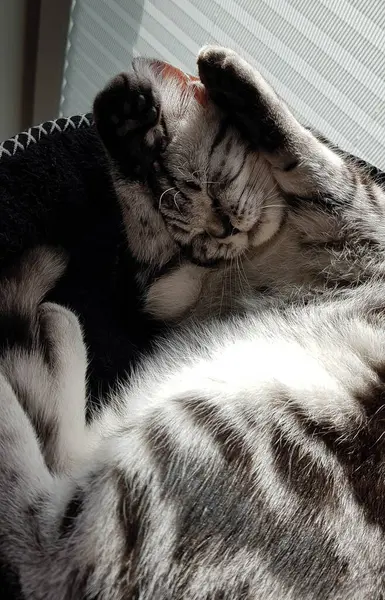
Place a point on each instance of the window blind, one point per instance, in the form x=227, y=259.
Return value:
x=325, y=58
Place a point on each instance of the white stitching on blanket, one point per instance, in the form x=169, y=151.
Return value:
x=22, y=140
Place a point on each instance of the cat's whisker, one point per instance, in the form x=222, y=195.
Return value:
x=230, y=286
x=180, y=169
x=223, y=288
x=240, y=278
x=165, y=192
x=272, y=194
x=265, y=207
x=176, y=203
x=243, y=281
x=211, y=182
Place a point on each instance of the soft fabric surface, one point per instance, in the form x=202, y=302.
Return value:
x=58, y=191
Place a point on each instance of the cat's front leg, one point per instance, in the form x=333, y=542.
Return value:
x=128, y=117
x=302, y=165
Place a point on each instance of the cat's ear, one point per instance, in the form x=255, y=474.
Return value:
x=168, y=72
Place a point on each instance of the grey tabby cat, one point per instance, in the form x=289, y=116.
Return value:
x=246, y=460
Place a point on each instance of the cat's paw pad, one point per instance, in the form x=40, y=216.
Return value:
x=127, y=105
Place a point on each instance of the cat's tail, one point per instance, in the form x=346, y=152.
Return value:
x=24, y=285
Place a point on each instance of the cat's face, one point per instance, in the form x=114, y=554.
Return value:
x=217, y=197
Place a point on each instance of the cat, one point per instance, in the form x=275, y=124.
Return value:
x=244, y=459
x=223, y=191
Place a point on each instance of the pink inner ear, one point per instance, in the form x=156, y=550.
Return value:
x=167, y=71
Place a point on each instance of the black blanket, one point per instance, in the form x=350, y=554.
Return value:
x=55, y=189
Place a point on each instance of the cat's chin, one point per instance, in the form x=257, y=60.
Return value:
x=268, y=226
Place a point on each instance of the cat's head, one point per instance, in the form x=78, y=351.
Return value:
x=216, y=196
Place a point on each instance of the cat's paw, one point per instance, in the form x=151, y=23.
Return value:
x=214, y=57
x=225, y=75
x=127, y=104
x=127, y=116
x=245, y=96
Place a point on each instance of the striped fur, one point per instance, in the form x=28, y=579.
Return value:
x=245, y=458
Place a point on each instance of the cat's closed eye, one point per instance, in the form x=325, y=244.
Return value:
x=193, y=185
